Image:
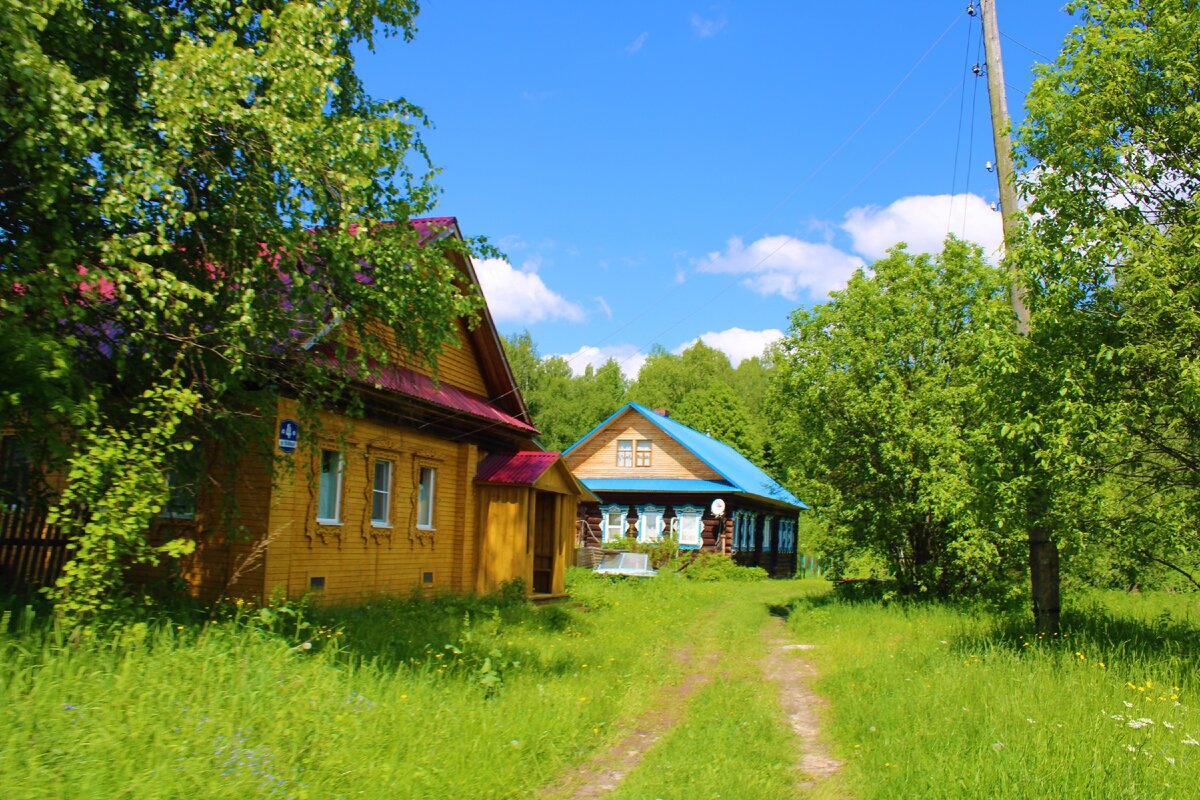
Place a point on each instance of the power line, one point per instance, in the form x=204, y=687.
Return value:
x=958, y=128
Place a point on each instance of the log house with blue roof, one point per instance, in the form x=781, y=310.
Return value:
x=657, y=477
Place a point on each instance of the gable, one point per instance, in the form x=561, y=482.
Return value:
x=597, y=456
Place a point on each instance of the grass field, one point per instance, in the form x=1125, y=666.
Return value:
x=932, y=701
x=463, y=698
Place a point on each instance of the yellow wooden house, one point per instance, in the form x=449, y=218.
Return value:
x=439, y=485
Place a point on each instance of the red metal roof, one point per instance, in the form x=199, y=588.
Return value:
x=522, y=468
x=414, y=384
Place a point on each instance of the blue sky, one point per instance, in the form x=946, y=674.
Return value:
x=660, y=171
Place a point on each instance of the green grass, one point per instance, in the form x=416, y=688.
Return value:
x=933, y=701
x=491, y=698
x=454, y=698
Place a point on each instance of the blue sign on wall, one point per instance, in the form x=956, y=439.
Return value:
x=289, y=432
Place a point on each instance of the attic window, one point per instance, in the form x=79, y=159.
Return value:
x=624, y=452
x=642, y=458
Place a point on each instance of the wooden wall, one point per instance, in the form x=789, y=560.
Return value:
x=597, y=458
x=356, y=559
x=457, y=364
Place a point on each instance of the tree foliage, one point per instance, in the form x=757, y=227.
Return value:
x=881, y=421
x=1112, y=148
x=564, y=406
x=190, y=195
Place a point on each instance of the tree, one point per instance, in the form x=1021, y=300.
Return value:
x=191, y=194
x=665, y=379
x=881, y=422
x=564, y=406
x=1111, y=145
x=716, y=411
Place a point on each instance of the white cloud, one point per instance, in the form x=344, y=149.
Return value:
x=737, y=343
x=922, y=221
x=784, y=265
x=604, y=306
x=705, y=27
x=638, y=43
x=519, y=295
x=627, y=356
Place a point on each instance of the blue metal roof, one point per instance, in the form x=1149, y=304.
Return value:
x=655, y=485
x=742, y=475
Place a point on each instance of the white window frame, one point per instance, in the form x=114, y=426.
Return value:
x=336, y=518
x=426, y=506
x=650, y=517
x=613, y=532
x=624, y=453
x=643, y=447
x=689, y=513
x=385, y=493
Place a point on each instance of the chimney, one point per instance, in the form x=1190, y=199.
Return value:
x=662, y=412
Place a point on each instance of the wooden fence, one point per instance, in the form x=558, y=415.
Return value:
x=32, y=553
x=810, y=566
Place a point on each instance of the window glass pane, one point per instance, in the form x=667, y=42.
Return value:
x=329, y=497
x=689, y=528
x=425, y=498
x=614, y=525
x=650, y=525
x=624, y=453
x=381, y=493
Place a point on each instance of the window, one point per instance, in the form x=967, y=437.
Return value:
x=743, y=531
x=650, y=523
x=182, y=481
x=614, y=522
x=643, y=453
x=16, y=473
x=688, y=525
x=381, y=495
x=766, y=542
x=329, y=498
x=624, y=452
x=425, y=497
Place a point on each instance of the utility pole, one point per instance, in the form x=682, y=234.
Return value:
x=1043, y=552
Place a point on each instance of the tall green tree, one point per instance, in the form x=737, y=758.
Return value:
x=191, y=194
x=564, y=406
x=881, y=421
x=1111, y=147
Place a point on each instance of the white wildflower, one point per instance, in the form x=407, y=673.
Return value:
x=1140, y=723
x=1191, y=740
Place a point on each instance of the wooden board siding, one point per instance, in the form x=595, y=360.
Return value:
x=597, y=458
x=457, y=363
x=356, y=559
x=505, y=550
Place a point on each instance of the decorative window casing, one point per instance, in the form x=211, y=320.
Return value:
x=381, y=494
x=688, y=526
x=643, y=450
x=743, y=531
x=426, y=498
x=329, y=494
x=614, y=522
x=650, y=523
x=624, y=452
x=786, y=536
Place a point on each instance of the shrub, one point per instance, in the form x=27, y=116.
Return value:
x=718, y=567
